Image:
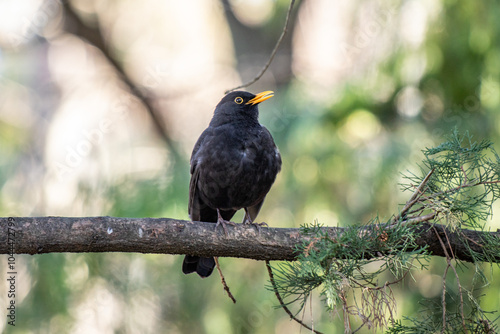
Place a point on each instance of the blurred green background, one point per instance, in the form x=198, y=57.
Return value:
x=360, y=88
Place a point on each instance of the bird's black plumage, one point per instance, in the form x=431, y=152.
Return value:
x=233, y=166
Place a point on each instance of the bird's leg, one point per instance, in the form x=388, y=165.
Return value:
x=223, y=222
x=249, y=220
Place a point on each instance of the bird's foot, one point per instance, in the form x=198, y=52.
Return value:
x=249, y=221
x=223, y=222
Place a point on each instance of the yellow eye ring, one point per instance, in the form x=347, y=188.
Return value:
x=238, y=100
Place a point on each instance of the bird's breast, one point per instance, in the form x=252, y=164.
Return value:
x=237, y=172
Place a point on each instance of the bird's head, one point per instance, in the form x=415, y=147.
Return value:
x=240, y=105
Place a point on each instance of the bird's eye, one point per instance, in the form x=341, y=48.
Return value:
x=238, y=100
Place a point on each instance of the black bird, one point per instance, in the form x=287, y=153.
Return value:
x=233, y=165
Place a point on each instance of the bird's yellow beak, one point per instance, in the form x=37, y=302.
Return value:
x=261, y=97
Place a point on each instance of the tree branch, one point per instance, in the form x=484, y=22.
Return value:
x=38, y=235
x=282, y=302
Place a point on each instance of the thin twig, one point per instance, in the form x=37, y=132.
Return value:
x=303, y=316
x=471, y=240
x=443, y=297
x=449, y=265
x=359, y=328
x=420, y=219
x=345, y=312
x=462, y=314
x=282, y=303
x=386, y=284
x=273, y=53
x=386, y=299
x=311, y=311
x=465, y=174
x=414, y=197
x=460, y=187
x=417, y=211
x=223, y=280
x=449, y=244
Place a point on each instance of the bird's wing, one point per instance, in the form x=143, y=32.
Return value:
x=198, y=210
x=194, y=199
x=269, y=138
x=266, y=140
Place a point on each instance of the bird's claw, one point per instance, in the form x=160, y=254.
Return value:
x=223, y=222
x=257, y=225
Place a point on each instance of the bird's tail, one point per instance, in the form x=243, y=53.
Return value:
x=203, y=266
